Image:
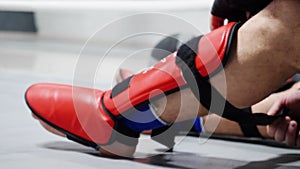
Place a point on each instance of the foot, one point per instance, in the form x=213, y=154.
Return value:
x=53, y=106
x=48, y=128
x=114, y=150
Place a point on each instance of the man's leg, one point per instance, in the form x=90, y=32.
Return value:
x=227, y=127
x=239, y=68
x=265, y=56
x=224, y=127
x=267, y=52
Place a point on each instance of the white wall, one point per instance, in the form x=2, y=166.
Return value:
x=78, y=20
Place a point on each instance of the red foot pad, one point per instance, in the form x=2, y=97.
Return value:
x=80, y=118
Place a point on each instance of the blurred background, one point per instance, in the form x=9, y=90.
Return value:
x=85, y=42
x=46, y=37
x=79, y=42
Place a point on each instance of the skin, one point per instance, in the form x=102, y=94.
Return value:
x=232, y=128
x=267, y=64
x=286, y=129
x=259, y=54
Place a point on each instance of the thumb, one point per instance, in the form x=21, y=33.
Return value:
x=276, y=107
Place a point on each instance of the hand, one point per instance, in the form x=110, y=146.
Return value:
x=234, y=10
x=286, y=129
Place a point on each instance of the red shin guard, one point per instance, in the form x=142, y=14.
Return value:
x=92, y=117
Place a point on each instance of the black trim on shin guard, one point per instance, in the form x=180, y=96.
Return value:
x=120, y=87
x=125, y=135
x=121, y=132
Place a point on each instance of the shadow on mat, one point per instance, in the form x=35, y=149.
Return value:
x=184, y=160
x=274, y=162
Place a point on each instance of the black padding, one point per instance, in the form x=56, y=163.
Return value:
x=252, y=6
x=223, y=9
x=125, y=135
x=121, y=132
x=235, y=10
x=120, y=87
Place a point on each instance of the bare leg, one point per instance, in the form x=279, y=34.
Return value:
x=266, y=54
x=228, y=127
x=224, y=127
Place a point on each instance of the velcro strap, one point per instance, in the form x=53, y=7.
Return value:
x=125, y=135
x=165, y=136
x=121, y=132
x=249, y=130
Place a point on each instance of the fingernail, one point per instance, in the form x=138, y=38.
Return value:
x=293, y=125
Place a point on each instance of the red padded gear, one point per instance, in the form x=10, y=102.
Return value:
x=79, y=111
x=216, y=22
x=71, y=109
x=88, y=115
x=161, y=78
x=211, y=50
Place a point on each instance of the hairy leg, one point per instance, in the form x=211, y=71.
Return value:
x=265, y=53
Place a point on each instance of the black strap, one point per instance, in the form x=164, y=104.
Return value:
x=230, y=112
x=121, y=132
x=208, y=96
x=125, y=135
x=249, y=130
x=165, y=135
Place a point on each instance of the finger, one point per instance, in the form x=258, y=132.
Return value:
x=271, y=129
x=216, y=22
x=291, y=134
x=281, y=129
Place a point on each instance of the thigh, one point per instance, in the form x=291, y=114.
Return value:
x=263, y=56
